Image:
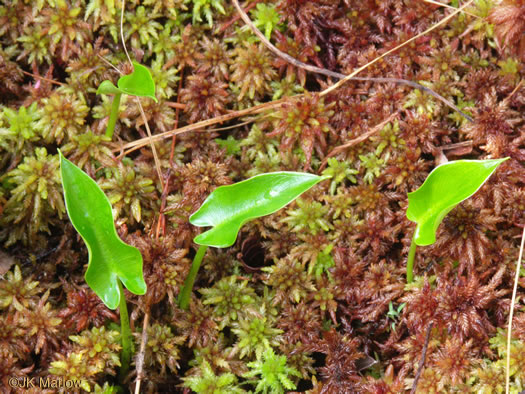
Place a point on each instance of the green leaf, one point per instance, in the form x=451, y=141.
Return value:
x=107, y=87
x=138, y=83
x=229, y=207
x=445, y=187
x=110, y=259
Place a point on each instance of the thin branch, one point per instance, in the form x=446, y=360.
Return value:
x=43, y=78
x=513, y=91
x=109, y=63
x=511, y=314
x=122, y=30
x=176, y=105
x=139, y=361
x=129, y=147
x=359, y=139
x=237, y=17
x=449, y=6
x=153, y=149
x=340, y=76
x=234, y=126
x=134, y=145
x=357, y=71
x=422, y=361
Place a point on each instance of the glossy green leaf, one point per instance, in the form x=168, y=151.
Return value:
x=107, y=87
x=138, y=83
x=229, y=207
x=445, y=187
x=110, y=259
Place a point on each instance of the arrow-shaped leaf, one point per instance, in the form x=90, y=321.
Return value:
x=138, y=83
x=445, y=187
x=110, y=259
x=229, y=207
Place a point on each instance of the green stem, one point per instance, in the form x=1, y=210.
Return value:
x=410, y=261
x=185, y=293
x=113, y=116
x=125, y=334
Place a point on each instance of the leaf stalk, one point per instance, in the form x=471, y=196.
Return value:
x=113, y=116
x=185, y=293
x=411, y=258
x=125, y=335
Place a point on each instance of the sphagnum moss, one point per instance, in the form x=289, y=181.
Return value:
x=476, y=62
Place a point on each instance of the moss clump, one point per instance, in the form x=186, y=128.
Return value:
x=35, y=198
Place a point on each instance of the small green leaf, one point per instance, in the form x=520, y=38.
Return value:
x=229, y=207
x=107, y=87
x=110, y=259
x=445, y=187
x=138, y=83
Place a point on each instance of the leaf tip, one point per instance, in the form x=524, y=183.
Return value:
x=107, y=87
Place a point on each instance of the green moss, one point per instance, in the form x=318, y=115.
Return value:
x=323, y=262
x=372, y=165
x=165, y=80
x=255, y=336
x=273, y=374
x=289, y=279
x=22, y=130
x=101, y=12
x=94, y=353
x=35, y=198
x=16, y=292
x=128, y=192
x=310, y=216
x=62, y=114
x=231, y=299
x=165, y=46
x=339, y=171
x=266, y=18
x=231, y=145
x=206, y=8
x=89, y=150
x=162, y=348
x=207, y=382
x=141, y=27
x=252, y=70
x=35, y=43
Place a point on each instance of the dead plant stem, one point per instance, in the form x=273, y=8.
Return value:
x=422, y=361
x=142, y=351
x=359, y=139
x=337, y=75
x=511, y=314
x=131, y=146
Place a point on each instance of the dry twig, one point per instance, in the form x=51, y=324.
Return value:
x=337, y=75
x=359, y=139
x=276, y=104
x=511, y=314
x=422, y=361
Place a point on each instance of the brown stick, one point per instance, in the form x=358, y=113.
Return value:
x=237, y=17
x=139, y=361
x=422, y=361
x=359, y=139
x=337, y=75
x=276, y=104
x=511, y=314
x=131, y=146
x=43, y=78
x=176, y=105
